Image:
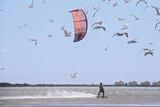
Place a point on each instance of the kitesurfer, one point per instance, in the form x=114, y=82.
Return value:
x=101, y=90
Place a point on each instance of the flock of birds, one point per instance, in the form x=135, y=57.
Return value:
x=114, y=3
x=99, y=25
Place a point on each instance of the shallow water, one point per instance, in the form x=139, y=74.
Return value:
x=79, y=97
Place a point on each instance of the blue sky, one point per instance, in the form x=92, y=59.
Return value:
x=55, y=58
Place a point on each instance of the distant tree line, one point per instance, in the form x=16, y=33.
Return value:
x=118, y=83
x=40, y=85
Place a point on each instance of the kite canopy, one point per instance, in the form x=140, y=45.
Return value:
x=80, y=24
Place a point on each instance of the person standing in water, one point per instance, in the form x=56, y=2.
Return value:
x=101, y=90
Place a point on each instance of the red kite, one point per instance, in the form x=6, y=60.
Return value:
x=80, y=24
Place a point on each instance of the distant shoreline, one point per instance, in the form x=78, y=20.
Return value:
x=66, y=85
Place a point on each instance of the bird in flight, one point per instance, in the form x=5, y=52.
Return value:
x=114, y=4
x=157, y=10
x=50, y=35
x=21, y=26
x=99, y=27
x=132, y=41
x=126, y=1
x=31, y=5
x=151, y=43
x=44, y=1
x=97, y=23
x=148, y=53
x=135, y=17
x=121, y=19
x=124, y=27
x=121, y=34
x=95, y=11
x=106, y=49
x=74, y=75
x=50, y=20
x=66, y=33
x=156, y=26
x=2, y=68
x=139, y=1
x=33, y=40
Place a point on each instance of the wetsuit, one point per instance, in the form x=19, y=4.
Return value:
x=101, y=90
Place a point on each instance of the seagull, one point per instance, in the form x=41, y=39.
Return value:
x=96, y=23
x=151, y=43
x=148, y=53
x=66, y=33
x=99, y=27
x=50, y=20
x=156, y=26
x=132, y=41
x=124, y=27
x=74, y=75
x=121, y=34
x=141, y=1
x=157, y=10
x=106, y=49
x=2, y=68
x=34, y=41
x=21, y=26
x=157, y=19
x=95, y=11
x=31, y=5
x=121, y=19
x=136, y=18
x=126, y=1
x=114, y=4
x=50, y=35
x=44, y=1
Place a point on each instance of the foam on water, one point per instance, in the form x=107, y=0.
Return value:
x=72, y=94
x=56, y=94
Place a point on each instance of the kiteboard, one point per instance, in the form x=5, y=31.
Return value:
x=102, y=97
